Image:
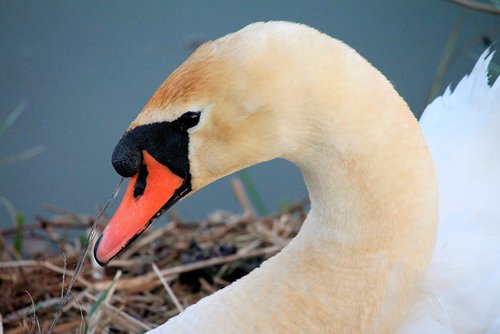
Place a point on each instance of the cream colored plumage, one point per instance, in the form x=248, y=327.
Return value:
x=285, y=90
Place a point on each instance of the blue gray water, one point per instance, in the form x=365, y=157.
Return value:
x=87, y=68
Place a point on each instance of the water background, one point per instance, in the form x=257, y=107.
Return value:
x=87, y=68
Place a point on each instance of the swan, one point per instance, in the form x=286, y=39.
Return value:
x=366, y=259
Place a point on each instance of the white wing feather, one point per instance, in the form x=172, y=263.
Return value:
x=461, y=292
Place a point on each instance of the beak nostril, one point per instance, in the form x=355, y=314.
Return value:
x=140, y=184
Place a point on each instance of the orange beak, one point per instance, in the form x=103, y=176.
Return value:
x=135, y=214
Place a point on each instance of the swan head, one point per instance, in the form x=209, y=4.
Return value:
x=204, y=122
x=274, y=89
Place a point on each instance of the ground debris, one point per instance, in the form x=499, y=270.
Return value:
x=192, y=259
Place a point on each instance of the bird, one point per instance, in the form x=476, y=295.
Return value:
x=377, y=253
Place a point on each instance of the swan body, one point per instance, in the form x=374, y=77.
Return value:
x=277, y=89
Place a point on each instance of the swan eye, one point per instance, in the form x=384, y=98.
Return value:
x=188, y=120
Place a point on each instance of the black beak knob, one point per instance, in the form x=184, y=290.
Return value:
x=127, y=157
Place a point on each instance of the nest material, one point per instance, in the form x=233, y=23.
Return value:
x=164, y=271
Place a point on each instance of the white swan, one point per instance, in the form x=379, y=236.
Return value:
x=360, y=263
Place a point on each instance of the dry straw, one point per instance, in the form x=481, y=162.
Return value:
x=169, y=268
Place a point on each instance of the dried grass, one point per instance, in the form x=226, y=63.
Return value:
x=163, y=272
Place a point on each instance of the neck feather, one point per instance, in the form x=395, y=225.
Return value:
x=374, y=207
x=366, y=244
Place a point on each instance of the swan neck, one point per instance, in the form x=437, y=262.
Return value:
x=373, y=195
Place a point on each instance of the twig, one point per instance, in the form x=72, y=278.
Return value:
x=103, y=301
x=146, y=240
x=142, y=282
x=68, y=326
x=71, y=304
x=81, y=261
x=205, y=285
x=241, y=196
x=20, y=313
x=171, y=294
x=42, y=223
x=63, y=276
x=46, y=264
x=35, y=318
x=82, y=318
x=482, y=7
x=112, y=289
x=123, y=314
x=5, y=251
x=220, y=260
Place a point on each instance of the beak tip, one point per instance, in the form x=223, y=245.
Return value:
x=96, y=251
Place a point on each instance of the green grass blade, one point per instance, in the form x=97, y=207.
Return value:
x=253, y=194
x=95, y=306
x=284, y=206
x=18, y=239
